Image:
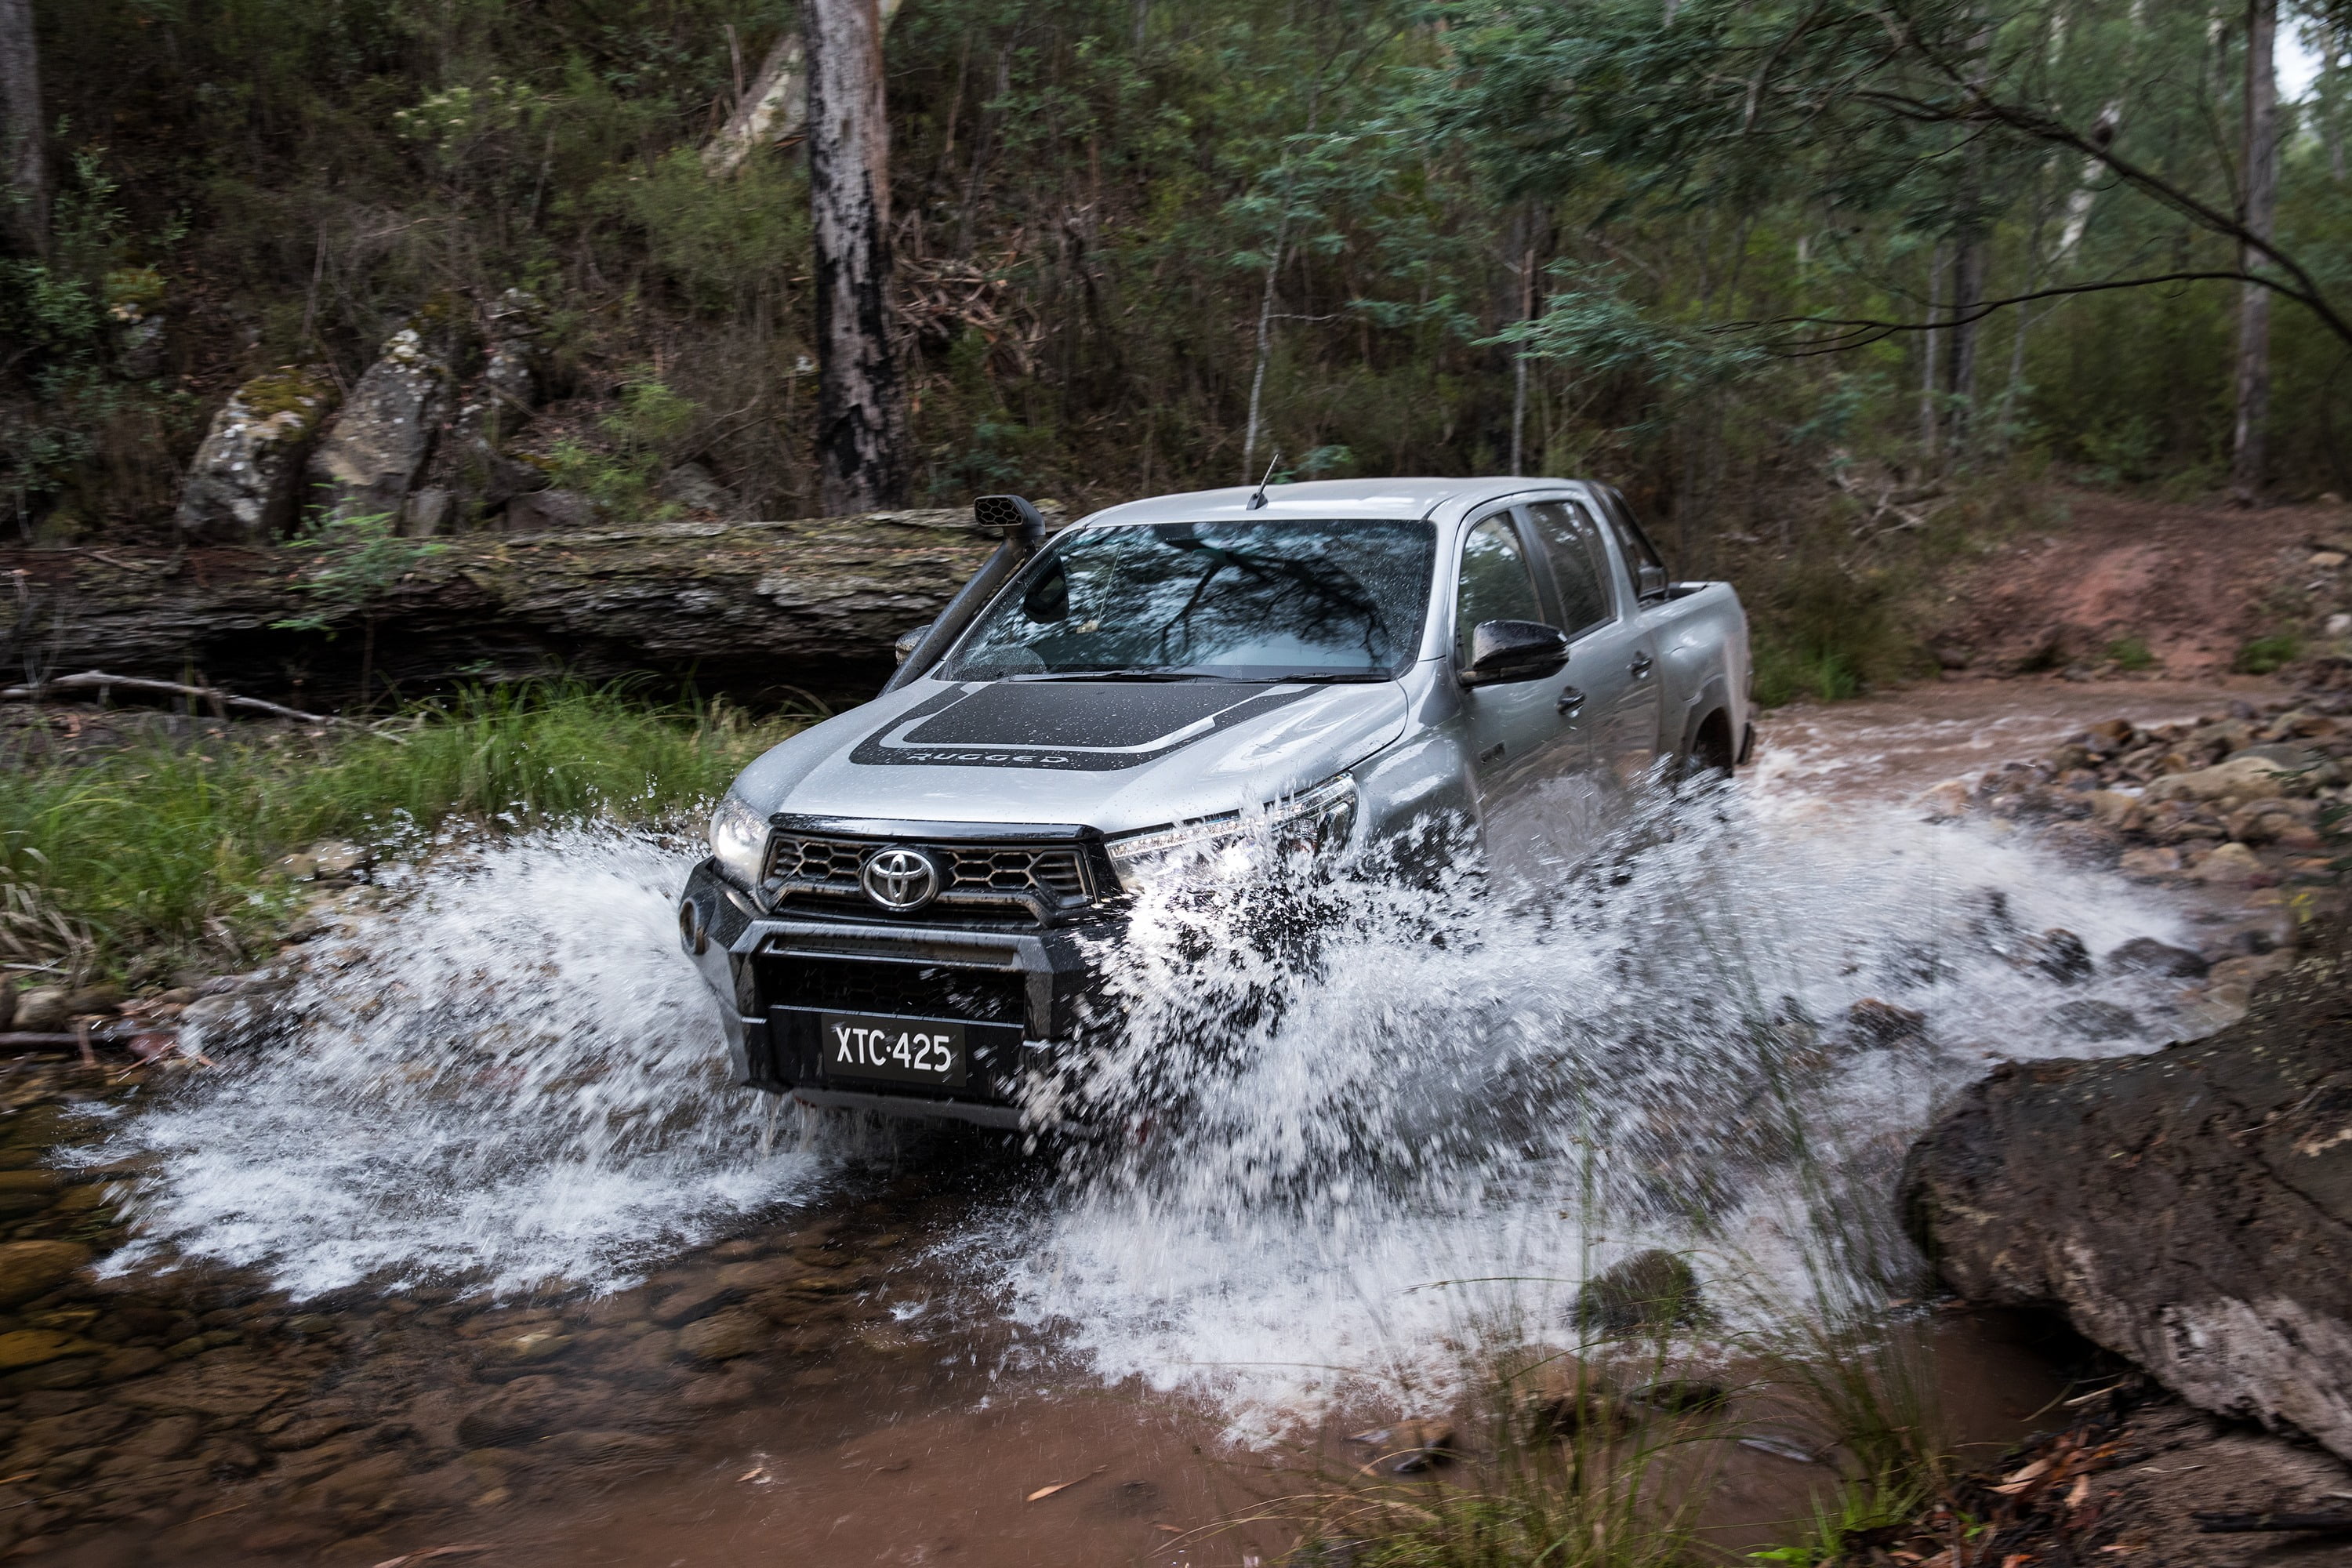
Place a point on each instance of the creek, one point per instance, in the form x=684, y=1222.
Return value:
x=500, y=1258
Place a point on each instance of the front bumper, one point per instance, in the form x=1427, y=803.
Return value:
x=1018, y=994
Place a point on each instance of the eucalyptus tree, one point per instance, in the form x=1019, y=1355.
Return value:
x=23, y=129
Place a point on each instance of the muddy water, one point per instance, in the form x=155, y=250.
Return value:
x=466, y=1243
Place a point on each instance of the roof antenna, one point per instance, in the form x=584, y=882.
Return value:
x=1258, y=500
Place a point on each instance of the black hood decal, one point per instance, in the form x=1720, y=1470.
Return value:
x=1070, y=727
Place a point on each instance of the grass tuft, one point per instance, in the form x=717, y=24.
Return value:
x=162, y=850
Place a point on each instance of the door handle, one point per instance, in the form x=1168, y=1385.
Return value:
x=1641, y=662
x=1571, y=701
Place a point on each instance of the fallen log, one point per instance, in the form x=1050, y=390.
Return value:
x=2225, y=1521
x=746, y=608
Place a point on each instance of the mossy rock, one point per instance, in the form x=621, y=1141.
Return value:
x=1654, y=1292
x=301, y=391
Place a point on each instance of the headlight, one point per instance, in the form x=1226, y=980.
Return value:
x=738, y=841
x=1322, y=819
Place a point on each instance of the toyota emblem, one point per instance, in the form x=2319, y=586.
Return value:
x=901, y=880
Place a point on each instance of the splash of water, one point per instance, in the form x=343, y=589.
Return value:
x=1449, y=1108
x=512, y=1076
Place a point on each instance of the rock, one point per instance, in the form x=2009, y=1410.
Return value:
x=2092, y=1020
x=521, y=1411
x=550, y=511
x=726, y=1335
x=512, y=324
x=2244, y=777
x=30, y=1268
x=338, y=857
x=697, y=1299
x=371, y=455
x=224, y=1383
x=1650, y=1292
x=1555, y=1394
x=2058, y=953
x=2148, y=865
x=31, y=1347
x=2230, y=865
x=1873, y=1023
x=242, y=485
x=1682, y=1396
x=2112, y=807
x=1948, y=801
x=2146, y=955
x=2191, y=1209
x=1408, y=1447
x=43, y=1010
x=692, y=487
x=103, y=998
x=301, y=868
x=7, y=1007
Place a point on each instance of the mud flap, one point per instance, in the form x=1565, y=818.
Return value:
x=1747, y=745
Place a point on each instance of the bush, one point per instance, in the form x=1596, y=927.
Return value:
x=2263, y=654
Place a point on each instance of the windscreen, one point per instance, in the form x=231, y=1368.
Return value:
x=1240, y=601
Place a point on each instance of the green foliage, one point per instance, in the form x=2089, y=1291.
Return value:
x=622, y=474
x=170, y=848
x=353, y=561
x=1826, y=632
x=2264, y=654
x=2131, y=653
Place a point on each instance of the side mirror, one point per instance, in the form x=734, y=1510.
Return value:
x=909, y=641
x=1505, y=651
x=1649, y=580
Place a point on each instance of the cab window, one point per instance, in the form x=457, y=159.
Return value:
x=1579, y=562
x=1495, y=583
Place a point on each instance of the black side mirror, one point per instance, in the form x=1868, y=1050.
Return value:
x=1505, y=651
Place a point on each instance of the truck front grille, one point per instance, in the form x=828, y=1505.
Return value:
x=915, y=990
x=1042, y=879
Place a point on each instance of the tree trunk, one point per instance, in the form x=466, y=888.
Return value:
x=1930, y=415
x=1968, y=289
x=861, y=432
x=2248, y=451
x=22, y=131
x=773, y=109
x=744, y=608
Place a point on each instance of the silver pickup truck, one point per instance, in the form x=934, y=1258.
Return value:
x=898, y=903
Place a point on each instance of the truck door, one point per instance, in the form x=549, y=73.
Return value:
x=1512, y=728
x=1611, y=698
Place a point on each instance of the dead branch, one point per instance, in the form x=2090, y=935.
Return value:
x=99, y=681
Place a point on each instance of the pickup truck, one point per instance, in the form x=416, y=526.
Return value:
x=900, y=902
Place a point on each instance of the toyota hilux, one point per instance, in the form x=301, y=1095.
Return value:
x=901, y=906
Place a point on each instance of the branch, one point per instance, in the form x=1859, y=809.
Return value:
x=1877, y=329
x=99, y=681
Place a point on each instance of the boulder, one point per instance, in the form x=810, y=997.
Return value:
x=1652, y=1292
x=2252, y=776
x=242, y=485
x=372, y=455
x=2146, y=955
x=44, y=1010
x=2190, y=1209
x=550, y=511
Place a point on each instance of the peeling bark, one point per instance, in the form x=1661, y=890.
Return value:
x=745, y=608
x=2248, y=452
x=861, y=434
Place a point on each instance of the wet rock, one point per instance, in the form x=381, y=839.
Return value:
x=2092, y=1020
x=166, y=1437
x=2190, y=1209
x=310, y=1431
x=1682, y=1396
x=371, y=455
x=2146, y=955
x=71, y=1372
x=630, y=1449
x=2058, y=953
x=225, y=1383
x=526, y=1349
x=30, y=1268
x=33, y=1347
x=697, y=1299
x=136, y=1362
x=244, y=485
x=1408, y=1447
x=1876, y=1024
x=297, y=868
x=104, y=998
x=339, y=858
x=43, y=1010
x=1555, y=1394
x=1653, y=1292
x=361, y=1483
x=1948, y=801
x=726, y=1335
x=523, y=1411
x=692, y=487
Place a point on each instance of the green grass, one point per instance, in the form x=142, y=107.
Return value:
x=2131, y=653
x=159, y=852
x=2261, y=656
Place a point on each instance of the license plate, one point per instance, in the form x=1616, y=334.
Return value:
x=902, y=1050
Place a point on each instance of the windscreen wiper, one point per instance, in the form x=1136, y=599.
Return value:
x=1329, y=677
